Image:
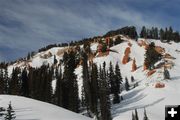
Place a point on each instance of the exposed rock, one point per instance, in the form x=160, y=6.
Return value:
x=134, y=67
x=151, y=72
x=168, y=56
x=46, y=56
x=126, y=55
x=60, y=52
x=159, y=85
x=159, y=49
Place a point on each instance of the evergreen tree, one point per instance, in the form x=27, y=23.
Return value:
x=86, y=84
x=132, y=79
x=162, y=35
x=166, y=74
x=104, y=96
x=133, y=116
x=126, y=84
x=151, y=56
x=143, y=33
x=70, y=87
x=47, y=85
x=116, y=86
x=136, y=115
x=2, y=82
x=25, y=85
x=58, y=91
x=145, y=115
x=111, y=78
x=6, y=80
x=118, y=78
x=55, y=60
x=10, y=113
x=94, y=90
x=14, y=83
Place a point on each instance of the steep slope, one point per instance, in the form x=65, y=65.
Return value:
x=29, y=109
x=145, y=95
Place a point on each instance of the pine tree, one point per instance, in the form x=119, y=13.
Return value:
x=132, y=79
x=58, y=91
x=14, y=83
x=116, y=86
x=6, y=80
x=2, y=82
x=94, y=90
x=166, y=74
x=10, y=113
x=126, y=84
x=136, y=115
x=55, y=60
x=143, y=33
x=47, y=85
x=118, y=78
x=70, y=87
x=145, y=115
x=25, y=85
x=151, y=56
x=111, y=78
x=133, y=116
x=86, y=84
x=104, y=96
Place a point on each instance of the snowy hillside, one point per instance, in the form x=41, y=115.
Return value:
x=143, y=96
x=29, y=109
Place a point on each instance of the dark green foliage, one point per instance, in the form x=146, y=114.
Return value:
x=58, y=90
x=70, y=87
x=25, y=84
x=104, y=95
x=165, y=35
x=151, y=56
x=10, y=115
x=145, y=115
x=118, y=40
x=94, y=90
x=166, y=74
x=111, y=76
x=15, y=83
x=132, y=79
x=2, y=82
x=136, y=115
x=129, y=31
x=118, y=78
x=133, y=116
x=104, y=47
x=6, y=80
x=86, y=84
x=126, y=84
x=55, y=60
x=115, y=82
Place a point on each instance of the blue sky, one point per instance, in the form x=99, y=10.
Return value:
x=27, y=25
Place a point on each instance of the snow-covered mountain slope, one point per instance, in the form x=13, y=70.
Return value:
x=145, y=95
x=29, y=109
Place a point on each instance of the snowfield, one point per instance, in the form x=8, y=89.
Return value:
x=143, y=96
x=29, y=109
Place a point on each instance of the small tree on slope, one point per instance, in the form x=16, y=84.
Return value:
x=10, y=113
x=126, y=84
x=136, y=115
x=145, y=115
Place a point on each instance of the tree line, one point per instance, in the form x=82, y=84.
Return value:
x=165, y=35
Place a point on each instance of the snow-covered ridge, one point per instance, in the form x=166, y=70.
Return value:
x=145, y=95
x=29, y=109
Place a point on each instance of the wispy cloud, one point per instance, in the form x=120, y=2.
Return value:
x=29, y=24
